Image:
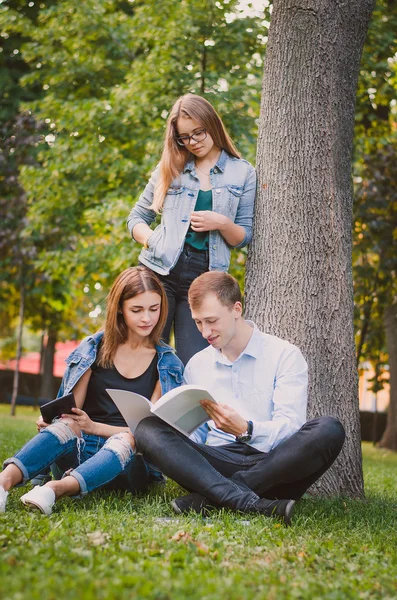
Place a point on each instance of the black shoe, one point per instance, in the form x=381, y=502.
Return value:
x=192, y=502
x=275, y=508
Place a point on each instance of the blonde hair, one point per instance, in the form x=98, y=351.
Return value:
x=222, y=285
x=174, y=156
x=129, y=283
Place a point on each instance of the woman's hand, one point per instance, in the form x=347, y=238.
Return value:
x=41, y=424
x=207, y=220
x=83, y=420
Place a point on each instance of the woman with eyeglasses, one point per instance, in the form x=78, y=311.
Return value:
x=205, y=194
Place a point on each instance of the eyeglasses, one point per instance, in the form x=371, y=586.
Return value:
x=198, y=136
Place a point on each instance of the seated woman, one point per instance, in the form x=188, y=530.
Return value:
x=94, y=446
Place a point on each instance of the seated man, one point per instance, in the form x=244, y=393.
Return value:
x=256, y=454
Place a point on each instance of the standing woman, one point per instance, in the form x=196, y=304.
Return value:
x=93, y=446
x=205, y=193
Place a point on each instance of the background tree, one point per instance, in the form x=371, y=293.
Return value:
x=299, y=275
x=375, y=254
x=105, y=105
x=375, y=206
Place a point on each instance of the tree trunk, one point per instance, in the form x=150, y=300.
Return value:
x=299, y=270
x=364, y=330
x=389, y=438
x=15, y=385
x=47, y=379
x=366, y=318
x=42, y=351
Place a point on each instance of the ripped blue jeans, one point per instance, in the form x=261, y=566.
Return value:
x=93, y=460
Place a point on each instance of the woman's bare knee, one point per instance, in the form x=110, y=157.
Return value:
x=128, y=437
x=66, y=421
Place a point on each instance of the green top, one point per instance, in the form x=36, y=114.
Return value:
x=199, y=240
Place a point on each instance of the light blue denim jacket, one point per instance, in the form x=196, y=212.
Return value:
x=233, y=195
x=169, y=366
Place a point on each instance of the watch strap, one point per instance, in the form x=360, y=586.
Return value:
x=246, y=437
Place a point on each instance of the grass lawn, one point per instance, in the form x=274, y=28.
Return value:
x=112, y=545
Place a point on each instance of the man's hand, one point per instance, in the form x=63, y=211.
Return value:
x=207, y=220
x=225, y=417
x=83, y=420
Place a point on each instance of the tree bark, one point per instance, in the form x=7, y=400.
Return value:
x=299, y=270
x=42, y=351
x=47, y=379
x=15, y=385
x=389, y=438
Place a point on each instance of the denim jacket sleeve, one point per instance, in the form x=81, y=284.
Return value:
x=141, y=213
x=170, y=368
x=245, y=211
x=79, y=361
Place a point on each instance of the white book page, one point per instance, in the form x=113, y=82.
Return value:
x=181, y=408
x=133, y=407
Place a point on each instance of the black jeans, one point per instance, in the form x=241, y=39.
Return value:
x=235, y=475
x=188, y=339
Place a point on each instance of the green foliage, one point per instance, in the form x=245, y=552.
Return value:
x=112, y=545
x=376, y=94
x=375, y=256
x=108, y=72
x=375, y=176
x=16, y=17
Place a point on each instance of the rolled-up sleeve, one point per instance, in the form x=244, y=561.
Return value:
x=245, y=210
x=289, y=402
x=142, y=213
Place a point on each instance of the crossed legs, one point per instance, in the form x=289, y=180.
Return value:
x=236, y=475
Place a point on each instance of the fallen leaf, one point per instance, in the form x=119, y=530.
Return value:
x=98, y=538
x=179, y=535
x=186, y=538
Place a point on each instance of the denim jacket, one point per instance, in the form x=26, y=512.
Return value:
x=233, y=183
x=169, y=366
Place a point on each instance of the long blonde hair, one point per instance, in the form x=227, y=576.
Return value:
x=129, y=283
x=174, y=157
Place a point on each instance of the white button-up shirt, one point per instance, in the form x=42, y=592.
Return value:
x=266, y=384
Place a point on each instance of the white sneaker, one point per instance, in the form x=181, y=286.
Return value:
x=3, y=499
x=40, y=497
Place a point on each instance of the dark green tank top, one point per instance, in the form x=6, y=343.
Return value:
x=199, y=240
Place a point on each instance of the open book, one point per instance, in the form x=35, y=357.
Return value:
x=180, y=407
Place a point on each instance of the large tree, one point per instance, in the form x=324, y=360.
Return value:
x=299, y=272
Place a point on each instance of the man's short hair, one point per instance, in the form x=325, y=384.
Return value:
x=221, y=284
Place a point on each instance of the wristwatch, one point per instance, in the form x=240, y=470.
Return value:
x=246, y=437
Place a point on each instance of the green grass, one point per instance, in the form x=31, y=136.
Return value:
x=112, y=545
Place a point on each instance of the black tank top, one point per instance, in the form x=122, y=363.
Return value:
x=98, y=404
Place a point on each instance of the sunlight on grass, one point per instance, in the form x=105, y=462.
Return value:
x=113, y=545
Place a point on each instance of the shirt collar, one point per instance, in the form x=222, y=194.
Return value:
x=253, y=348
x=219, y=166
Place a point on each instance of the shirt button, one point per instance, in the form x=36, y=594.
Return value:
x=218, y=191
x=214, y=247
